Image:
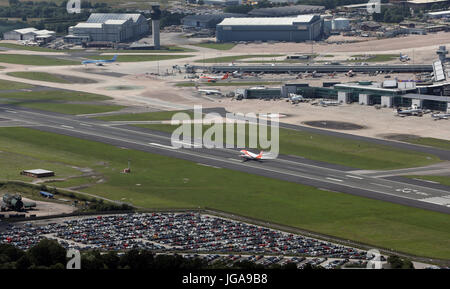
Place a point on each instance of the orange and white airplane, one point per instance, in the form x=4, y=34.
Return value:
x=214, y=78
x=246, y=156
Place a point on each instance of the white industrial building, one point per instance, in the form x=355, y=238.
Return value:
x=30, y=34
x=108, y=27
x=439, y=14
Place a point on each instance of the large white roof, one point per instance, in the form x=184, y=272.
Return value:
x=115, y=22
x=266, y=21
x=88, y=25
x=25, y=30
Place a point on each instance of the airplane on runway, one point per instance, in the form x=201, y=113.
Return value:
x=214, y=78
x=210, y=91
x=100, y=62
x=247, y=156
x=326, y=103
x=438, y=116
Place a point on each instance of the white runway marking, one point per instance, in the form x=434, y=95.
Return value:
x=85, y=124
x=354, y=177
x=11, y=111
x=333, y=179
x=161, y=145
x=67, y=126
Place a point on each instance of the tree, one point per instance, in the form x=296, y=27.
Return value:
x=46, y=253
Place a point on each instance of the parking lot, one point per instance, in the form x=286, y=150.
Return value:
x=175, y=232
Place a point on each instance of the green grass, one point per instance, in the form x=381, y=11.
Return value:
x=42, y=76
x=217, y=46
x=262, y=57
x=147, y=116
x=34, y=60
x=342, y=151
x=72, y=108
x=376, y=58
x=60, y=95
x=429, y=141
x=10, y=85
x=171, y=183
x=138, y=58
x=73, y=182
x=236, y=83
x=443, y=180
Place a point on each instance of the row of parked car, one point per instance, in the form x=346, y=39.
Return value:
x=175, y=232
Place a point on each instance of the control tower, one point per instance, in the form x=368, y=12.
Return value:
x=155, y=16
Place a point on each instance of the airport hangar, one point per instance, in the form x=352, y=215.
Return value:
x=109, y=27
x=291, y=29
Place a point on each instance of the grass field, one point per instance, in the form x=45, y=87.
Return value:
x=36, y=75
x=10, y=85
x=236, y=83
x=217, y=46
x=429, y=141
x=162, y=182
x=138, y=58
x=55, y=100
x=357, y=154
x=443, y=180
x=72, y=108
x=157, y=115
x=61, y=95
x=34, y=60
x=254, y=57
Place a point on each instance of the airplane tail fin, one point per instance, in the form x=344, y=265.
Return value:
x=225, y=76
x=114, y=57
x=260, y=154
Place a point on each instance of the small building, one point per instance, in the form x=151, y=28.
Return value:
x=38, y=173
x=370, y=26
x=290, y=29
x=340, y=24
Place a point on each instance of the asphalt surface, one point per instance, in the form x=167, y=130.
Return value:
x=293, y=169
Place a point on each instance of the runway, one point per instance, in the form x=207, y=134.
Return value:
x=294, y=169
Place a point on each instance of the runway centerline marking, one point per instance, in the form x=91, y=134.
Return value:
x=333, y=179
x=354, y=177
x=381, y=185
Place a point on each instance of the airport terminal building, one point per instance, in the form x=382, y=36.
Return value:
x=108, y=27
x=290, y=29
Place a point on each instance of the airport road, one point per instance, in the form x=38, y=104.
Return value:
x=284, y=168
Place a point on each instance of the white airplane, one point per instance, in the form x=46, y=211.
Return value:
x=296, y=98
x=438, y=116
x=214, y=78
x=210, y=91
x=404, y=57
x=350, y=73
x=247, y=156
x=326, y=103
x=413, y=111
